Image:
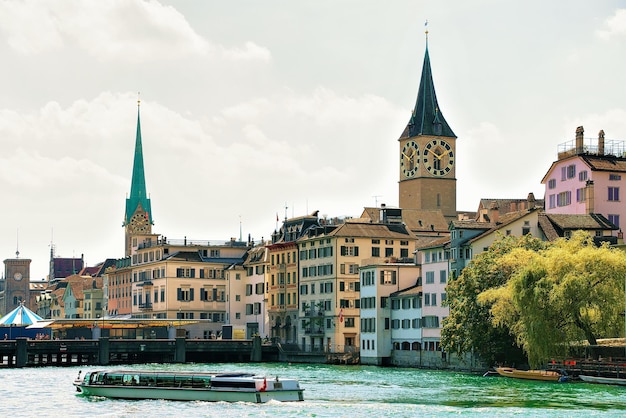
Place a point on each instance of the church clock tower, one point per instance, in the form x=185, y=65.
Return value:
x=138, y=217
x=16, y=283
x=428, y=154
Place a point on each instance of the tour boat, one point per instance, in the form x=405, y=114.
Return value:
x=187, y=386
x=605, y=380
x=547, y=375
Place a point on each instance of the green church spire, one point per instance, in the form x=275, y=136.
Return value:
x=138, y=197
x=427, y=118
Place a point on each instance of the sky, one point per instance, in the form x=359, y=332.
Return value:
x=256, y=109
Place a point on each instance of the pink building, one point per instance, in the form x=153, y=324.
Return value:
x=587, y=178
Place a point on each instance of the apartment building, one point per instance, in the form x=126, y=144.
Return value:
x=330, y=257
x=587, y=178
x=378, y=282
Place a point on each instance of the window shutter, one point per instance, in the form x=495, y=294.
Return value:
x=356, y=251
x=191, y=293
x=179, y=294
x=343, y=250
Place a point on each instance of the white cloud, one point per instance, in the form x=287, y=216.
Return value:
x=125, y=30
x=250, y=51
x=615, y=26
x=612, y=122
x=486, y=134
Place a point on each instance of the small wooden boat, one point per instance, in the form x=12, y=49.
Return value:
x=603, y=380
x=187, y=386
x=546, y=375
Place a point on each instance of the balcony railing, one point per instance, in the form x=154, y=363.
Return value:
x=145, y=306
x=314, y=331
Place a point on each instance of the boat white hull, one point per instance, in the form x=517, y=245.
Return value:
x=187, y=394
x=185, y=386
x=603, y=380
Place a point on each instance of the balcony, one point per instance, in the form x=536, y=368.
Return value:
x=314, y=331
x=145, y=306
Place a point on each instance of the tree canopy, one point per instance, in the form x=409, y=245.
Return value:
x=568, y=292
x=469, y=327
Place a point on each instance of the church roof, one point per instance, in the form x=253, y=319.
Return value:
x=138, y=196
x=427, y=118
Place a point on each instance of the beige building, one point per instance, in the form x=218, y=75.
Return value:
x=281, y=278
x=179, y=279
x=330, y=258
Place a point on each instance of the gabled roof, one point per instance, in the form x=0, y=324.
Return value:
x=510, y=205
x=417, y=220
x=424, y=244
x=191, y=256
x=586, y=222
x=294, y=228
x=605, y=162
x=371, y=230
x=471, y=224
x=504, y=221
x=414, y=290
x=76, y=284
x=594, y=162
x=427, y=118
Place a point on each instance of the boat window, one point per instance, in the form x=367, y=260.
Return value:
x=165, y=380
x=131, y=379
x=184, y=381
x=234, y=384
x=201, y=381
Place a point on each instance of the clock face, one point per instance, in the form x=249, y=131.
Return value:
x=438, y=157
x=139, y=223
x=17, y=276
x=409, y=159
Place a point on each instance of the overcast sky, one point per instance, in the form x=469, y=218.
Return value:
x=248, y=107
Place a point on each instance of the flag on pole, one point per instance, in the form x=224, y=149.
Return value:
x=341, y=315
x=277, y=217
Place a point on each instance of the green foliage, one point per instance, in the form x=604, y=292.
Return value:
x=469, y=327
x=571, y=291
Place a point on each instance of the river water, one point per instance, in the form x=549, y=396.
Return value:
x=330, y=391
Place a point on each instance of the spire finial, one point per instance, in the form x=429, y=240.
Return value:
x=426, y=31
x=138, y=99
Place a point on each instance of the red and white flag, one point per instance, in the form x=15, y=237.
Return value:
x=341, y=315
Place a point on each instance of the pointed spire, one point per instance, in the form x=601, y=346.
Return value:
x=138, y=196
x=427, y=118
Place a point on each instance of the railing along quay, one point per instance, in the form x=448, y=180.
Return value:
x=614, y=368
x=23, y=352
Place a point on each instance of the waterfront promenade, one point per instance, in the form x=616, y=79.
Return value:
x=23, y=352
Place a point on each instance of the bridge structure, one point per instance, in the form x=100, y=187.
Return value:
x=23, y=352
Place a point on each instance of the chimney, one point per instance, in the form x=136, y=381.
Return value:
x=590, y=203
x=580, y=131
x=494, y=212
x=601, y=142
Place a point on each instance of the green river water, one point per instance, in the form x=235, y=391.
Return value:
x=330, y=391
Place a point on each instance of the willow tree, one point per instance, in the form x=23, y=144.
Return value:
x=572, y=291
x=469, y=328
